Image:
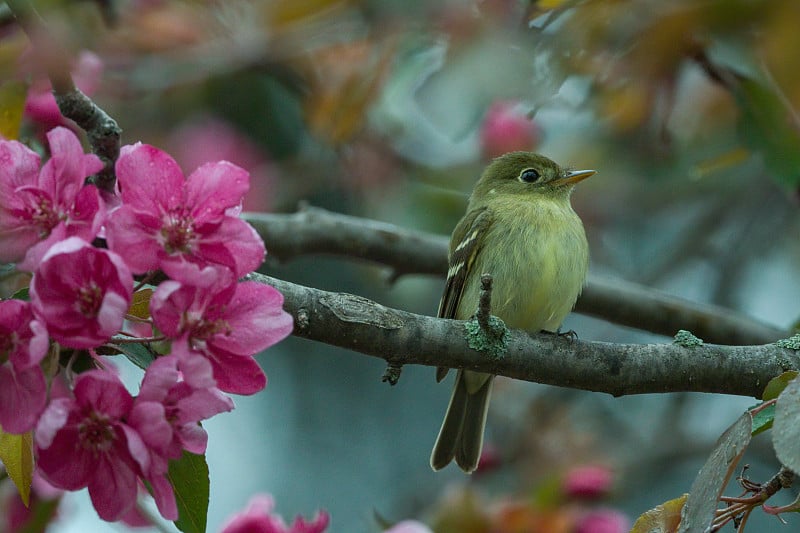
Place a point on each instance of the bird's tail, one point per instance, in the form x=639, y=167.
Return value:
x=461, y=436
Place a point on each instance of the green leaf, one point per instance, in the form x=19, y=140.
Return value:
x=189, y=478
x=786, y=430
x=22, y=294
x=12, y=104
x=138, y=354
x=701, y=504
x=763, y=419
x=16, y=453
x=776, y=385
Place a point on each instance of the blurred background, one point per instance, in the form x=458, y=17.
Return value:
x=389, y=109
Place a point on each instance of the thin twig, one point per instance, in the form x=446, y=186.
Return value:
x=739, y=508
x=484, y=312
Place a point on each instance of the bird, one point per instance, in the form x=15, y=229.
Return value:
x=520, y=228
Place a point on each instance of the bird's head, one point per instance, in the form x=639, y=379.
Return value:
x=527, y=173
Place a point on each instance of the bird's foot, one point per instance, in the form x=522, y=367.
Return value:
x=570, y=335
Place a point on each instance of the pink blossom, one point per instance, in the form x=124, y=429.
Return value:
x=41, y=106
x=225, y=324
x=166, y=414
x=188, y=393
x=23, y=344
x=506, y=128
x=83, y=441
x=587, y=482
x=81, y=293
x=166, y=218
x=259, y=518
x=409, y=526
x=41, y=207
x=603, y=521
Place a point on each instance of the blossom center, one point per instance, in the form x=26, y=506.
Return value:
x=178, y=233
x=45, y=217
x=90, y=298
x=208, y=328
x=96, y=433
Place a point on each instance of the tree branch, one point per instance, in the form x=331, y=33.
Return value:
x=102, y=130
x=400, y=337
x=317, y=231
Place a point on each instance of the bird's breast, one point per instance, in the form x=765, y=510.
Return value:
x=538, y=258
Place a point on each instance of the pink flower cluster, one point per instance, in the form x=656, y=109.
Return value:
x=259, y=518
x=93, y=433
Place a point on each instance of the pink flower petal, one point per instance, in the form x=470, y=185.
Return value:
x=233, y=243
x=202, y=404
x=132, y=234
x=213, y=188
x=65, y=470
x=167, y=306
x=52, y=420
x=103, y=392
x=164, y=496
x=160, y=376
x=259, y=518
x=23, y=395
x=88, y=214
x=19, y=166
x=149, y=178
x=238, y=374
x=149, y=419
x=26, y=340
x=193, y=438
x=256, y=318
x=113, y=486
x=64, y=173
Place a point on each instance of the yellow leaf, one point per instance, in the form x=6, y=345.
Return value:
x=664, y=518
x=12, y=104
x=285, y=12
x=345, y=81
x=140, y=306
x=16, y=452
x=547, y=5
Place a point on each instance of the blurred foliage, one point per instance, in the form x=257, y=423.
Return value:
x=376, y=91
x=12, y=102
x=378, y=107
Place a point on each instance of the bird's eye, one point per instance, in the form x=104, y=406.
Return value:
x=529, y=175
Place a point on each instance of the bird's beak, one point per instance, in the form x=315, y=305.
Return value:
x=574, y=176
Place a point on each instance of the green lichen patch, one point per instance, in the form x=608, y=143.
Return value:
x=793, y=342
x=493, y=342
x=686, y=339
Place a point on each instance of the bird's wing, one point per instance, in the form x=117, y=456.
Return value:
x=464, y=248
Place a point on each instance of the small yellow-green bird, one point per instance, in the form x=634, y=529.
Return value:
x=521, y=229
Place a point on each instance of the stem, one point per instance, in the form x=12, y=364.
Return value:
x=117, y=339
